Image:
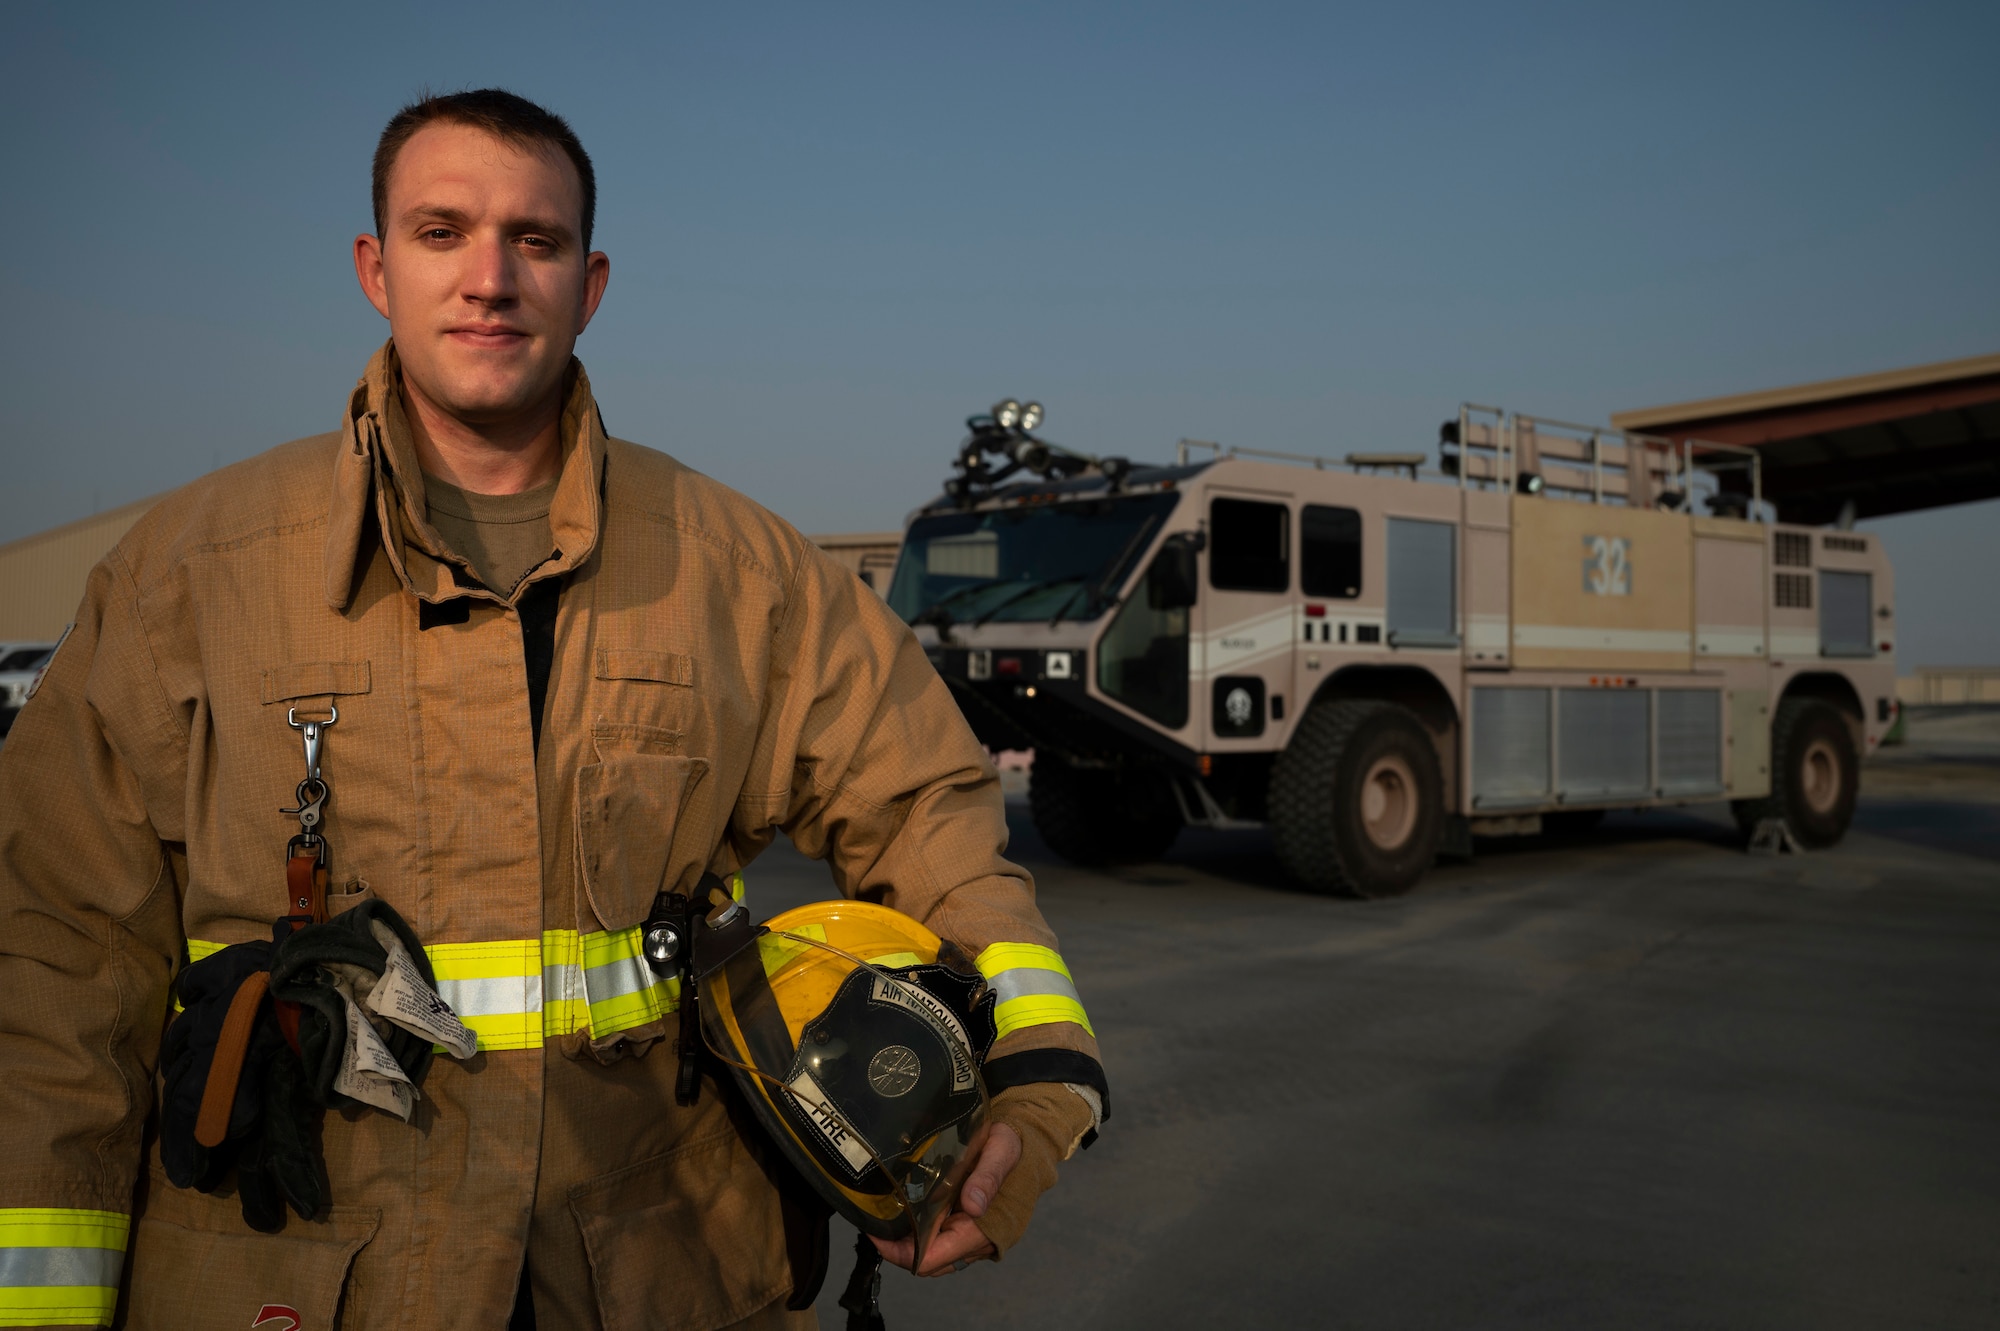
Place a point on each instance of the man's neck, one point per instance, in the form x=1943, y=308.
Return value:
x=486, y=459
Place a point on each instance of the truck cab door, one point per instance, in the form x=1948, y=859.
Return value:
x=1244, y=625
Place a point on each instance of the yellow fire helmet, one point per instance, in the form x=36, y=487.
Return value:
x=857, y=1036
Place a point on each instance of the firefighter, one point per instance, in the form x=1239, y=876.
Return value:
x=537, y=679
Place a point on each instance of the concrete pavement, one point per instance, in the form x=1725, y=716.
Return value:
x=1636, y=1078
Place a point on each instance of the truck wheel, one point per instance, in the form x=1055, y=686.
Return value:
x=1102, y=816
x=1356, y=802
x=1815, y=775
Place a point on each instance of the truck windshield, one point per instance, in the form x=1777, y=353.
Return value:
x=1032, y=562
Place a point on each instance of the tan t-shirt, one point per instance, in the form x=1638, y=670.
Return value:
x=503, y=537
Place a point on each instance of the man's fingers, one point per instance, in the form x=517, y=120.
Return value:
x=997, y=1158
x=896, y=1252
x=958, y=1239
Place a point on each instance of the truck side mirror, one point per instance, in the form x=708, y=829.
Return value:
x=1175, y=577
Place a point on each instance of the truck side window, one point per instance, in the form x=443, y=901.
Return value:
x=1423, y=572
x=1329, y=551
x=1249, y=546
x=1846, y=614
x=1143, y=659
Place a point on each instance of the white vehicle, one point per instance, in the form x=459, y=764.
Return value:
x=1380, y=661
x=20, y=665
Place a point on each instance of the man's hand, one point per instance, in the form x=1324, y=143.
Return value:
x=959, y=1240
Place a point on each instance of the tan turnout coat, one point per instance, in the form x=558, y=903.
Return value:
x=716, y=681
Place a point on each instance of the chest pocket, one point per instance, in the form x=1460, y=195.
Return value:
x=646, y=689
x=638, y=823
x=311, y=686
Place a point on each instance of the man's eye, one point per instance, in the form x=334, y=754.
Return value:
x=437, y=233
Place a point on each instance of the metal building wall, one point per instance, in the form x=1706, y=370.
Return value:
x=1946, y=686
x=42, y=576
x=872, y=555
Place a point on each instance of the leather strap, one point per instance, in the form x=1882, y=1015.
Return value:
x=218, y=1097
x=305, y=886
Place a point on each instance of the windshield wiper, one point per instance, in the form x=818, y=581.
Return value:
x=940, y=618
x=1025, y=592
x=1099, y=592
x=937, y=617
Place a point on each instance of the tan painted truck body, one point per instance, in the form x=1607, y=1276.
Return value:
x=1592, y=645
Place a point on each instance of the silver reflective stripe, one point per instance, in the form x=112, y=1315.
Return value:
x=615, y=979
x=562, y=980
x=28, y=1267
x=1032, y=981
x=503, y=993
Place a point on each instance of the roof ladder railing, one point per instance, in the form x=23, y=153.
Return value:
x=1498, y=449
x=1410, y=462
x=1484, y=448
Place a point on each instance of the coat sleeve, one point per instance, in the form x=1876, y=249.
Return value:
x=870, y=765
x=89, y=935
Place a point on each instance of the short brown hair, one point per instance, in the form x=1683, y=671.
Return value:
x=512, y=119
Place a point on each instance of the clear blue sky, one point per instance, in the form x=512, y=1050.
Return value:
x=836, y=230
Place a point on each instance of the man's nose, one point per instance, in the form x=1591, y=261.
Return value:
x=489, y=272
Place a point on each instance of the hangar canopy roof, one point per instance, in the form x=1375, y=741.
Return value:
x=1893, y=442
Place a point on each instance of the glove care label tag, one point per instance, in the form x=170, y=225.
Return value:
x=403, y=997
x=368, y=1071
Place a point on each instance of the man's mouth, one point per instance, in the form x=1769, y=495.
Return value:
x=486, y=335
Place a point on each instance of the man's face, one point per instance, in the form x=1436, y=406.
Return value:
x=480, y=271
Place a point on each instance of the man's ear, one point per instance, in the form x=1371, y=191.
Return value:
x=596, y=275
x=368, y=272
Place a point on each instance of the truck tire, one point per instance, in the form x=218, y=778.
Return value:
x=1815, y=775
x=1102, y=816
x=1356, y=802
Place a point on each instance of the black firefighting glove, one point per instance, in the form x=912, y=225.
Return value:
x=312, y=966
x=282, y=1163
x=187, y=1050
x=269, y=1137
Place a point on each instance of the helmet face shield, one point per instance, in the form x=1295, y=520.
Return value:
x=866, y=1075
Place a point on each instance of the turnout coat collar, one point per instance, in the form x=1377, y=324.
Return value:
x=376, y=475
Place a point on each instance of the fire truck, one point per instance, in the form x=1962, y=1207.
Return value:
x=1381, y=656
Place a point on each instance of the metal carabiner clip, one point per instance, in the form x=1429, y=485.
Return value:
x=311, y=795
x=311, y=732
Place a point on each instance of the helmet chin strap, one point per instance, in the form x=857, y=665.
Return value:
x=863, y=1296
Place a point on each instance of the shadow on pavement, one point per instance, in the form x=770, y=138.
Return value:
x=1961, y=827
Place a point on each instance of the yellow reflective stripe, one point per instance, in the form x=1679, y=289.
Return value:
x=554, y=983
x=506, y=1030
x=41, y=1246
x=57, y=1305
x=62, y=1227
x=564, y=1011
x=625, y=1011
x=1038, y=1010
x=1006, y=956
x=507, y=959
x=603, y=949
x=1033, y=985
x=623, y=990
